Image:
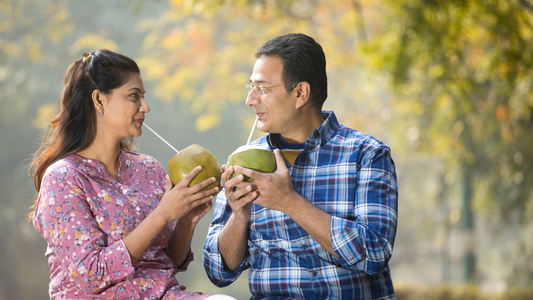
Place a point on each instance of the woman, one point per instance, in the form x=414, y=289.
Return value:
x=115, y=227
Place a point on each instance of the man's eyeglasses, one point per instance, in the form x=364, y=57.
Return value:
x=260, y=90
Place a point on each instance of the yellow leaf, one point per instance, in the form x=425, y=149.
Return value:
x=44, y=114
x=207, y=121
x=91, y=42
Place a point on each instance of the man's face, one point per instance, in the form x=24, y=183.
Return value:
x=275, y=109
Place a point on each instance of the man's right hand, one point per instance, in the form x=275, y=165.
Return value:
x=240, y=194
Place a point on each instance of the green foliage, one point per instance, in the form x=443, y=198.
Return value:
x=468, y=66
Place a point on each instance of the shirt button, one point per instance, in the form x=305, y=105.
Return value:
x=304, y=246
x=294, y=186
x=138, y=208
x=315, y=273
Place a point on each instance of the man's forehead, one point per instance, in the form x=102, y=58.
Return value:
x=267, y=69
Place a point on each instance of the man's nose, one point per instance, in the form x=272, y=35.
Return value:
x=252, y=99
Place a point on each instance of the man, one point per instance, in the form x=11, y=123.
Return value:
x=322, y=226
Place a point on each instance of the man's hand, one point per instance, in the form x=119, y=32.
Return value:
x=273, y=189
x=240, y=194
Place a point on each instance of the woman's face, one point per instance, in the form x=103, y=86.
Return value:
x=125, y=110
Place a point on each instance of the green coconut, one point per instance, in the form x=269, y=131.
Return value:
x=188, y=159
x=254, y=158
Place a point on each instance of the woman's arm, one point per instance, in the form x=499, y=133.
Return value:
x=179, y=244
x=177, y=202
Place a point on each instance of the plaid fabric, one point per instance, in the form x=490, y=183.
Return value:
x=347, y=174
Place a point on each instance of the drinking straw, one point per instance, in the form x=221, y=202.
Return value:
x=161, y=138
x=252, y=131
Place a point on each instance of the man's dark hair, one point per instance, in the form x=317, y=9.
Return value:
x=303, y=60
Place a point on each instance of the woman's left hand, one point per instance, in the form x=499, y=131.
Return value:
x=197, y=213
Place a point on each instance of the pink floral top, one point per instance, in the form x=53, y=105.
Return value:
x=83, y=213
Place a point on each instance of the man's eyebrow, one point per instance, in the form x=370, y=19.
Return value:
x=258, y=81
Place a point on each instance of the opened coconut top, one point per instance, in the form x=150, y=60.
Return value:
x=248, y=147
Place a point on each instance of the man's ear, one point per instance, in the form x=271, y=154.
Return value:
x=303, y=93
x=99, y=101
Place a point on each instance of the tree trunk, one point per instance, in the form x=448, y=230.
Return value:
x=467, y=225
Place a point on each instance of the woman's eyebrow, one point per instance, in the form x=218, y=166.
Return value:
x=134, y=88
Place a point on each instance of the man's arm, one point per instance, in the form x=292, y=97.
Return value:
x=226, y=245
x=232, y=243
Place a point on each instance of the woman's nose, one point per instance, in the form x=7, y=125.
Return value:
x=144, y=108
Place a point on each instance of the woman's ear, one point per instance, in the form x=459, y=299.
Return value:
x=99, y=101
x=303, y=93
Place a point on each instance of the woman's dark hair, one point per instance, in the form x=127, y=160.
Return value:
x=74, y=128
x=303, y=60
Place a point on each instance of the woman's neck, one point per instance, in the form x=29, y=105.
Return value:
x=106, y=153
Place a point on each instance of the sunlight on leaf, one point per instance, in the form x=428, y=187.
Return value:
x=207, y=121
x=45, y=113
x=91, y=42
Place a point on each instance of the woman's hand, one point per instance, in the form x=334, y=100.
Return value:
x=183, y=200
x=199, y=212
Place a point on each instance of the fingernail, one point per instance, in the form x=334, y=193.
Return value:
x=248, y=188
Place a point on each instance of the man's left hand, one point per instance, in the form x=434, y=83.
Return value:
x=274, y=189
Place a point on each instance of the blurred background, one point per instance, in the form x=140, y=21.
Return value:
x=447, y=84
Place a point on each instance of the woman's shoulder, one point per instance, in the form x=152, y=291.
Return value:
x=68, y=171
x=66, y=165
x=139, y=162
x=139, y=158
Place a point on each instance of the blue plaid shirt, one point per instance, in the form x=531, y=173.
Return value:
x=352, y=177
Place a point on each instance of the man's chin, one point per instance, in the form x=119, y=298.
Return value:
x=264, y=129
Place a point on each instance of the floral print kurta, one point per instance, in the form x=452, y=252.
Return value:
x=83, y=213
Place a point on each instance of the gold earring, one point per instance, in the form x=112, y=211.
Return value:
x=101, y=111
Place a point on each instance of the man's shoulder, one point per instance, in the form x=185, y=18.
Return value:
x=347, y=137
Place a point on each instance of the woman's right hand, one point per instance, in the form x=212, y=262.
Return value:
x=180, y=200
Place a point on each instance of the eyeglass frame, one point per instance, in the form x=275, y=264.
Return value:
x=249, y=87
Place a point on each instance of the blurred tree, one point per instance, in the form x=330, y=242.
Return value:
x=28, y=28
x=465, y=68
x=191, y=50
x=38, y=40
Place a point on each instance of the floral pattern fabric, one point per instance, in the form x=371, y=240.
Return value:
x=83, y=214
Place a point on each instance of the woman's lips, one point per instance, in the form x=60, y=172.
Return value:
x=140, y=121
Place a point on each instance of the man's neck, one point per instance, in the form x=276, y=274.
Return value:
x=304, y=126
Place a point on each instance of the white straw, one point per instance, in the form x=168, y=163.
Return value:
x=160, y=137
x=251, y=132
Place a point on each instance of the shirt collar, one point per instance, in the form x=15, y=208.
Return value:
x=98, y=166
x=319, y=137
